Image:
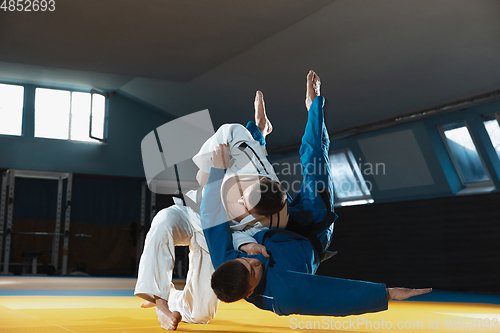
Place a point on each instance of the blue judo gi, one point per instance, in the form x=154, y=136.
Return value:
x=288, y=285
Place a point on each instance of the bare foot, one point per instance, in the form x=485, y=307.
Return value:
x=147, y=304
x=178, y=317
x=312, y=88
x=168, y=320
x=261, y=119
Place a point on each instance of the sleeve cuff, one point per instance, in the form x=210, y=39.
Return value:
x=240, y=239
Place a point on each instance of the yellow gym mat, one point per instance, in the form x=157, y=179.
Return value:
x=40, y=314
x=71, y=311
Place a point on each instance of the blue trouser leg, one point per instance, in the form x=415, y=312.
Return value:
x=314, y=157
x=311, y=211
x=256, y=134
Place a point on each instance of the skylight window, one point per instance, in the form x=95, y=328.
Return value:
x=349, y=185
x=11, y=109
x=492, y=124
x=66, y=115
x=464, y=154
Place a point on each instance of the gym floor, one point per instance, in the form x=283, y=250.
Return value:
x=87, y=304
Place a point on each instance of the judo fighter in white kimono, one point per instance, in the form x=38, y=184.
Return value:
x=180, y=225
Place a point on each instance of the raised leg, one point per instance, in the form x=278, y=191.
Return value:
x=261, y=119
x=314, y=148
x=312, y=207
x=313, y=84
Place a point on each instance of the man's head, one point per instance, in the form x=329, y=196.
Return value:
x=236, y=279
x=265, y=197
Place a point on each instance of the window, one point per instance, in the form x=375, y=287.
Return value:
x=492, y=124
x=80, y=115
x=52, y=113
x=464, y=155
x=97, y=116
x=349, y=185
x=11, y=109
x=66, y=115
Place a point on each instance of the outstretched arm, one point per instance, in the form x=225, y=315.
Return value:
x=324, y=296
x=214, y=221
x=404, y=293
x=212, y=213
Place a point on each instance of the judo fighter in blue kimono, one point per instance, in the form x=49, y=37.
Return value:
x=280, y=277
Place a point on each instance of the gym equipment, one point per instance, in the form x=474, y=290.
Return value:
x=7, y=200
x=142, y=227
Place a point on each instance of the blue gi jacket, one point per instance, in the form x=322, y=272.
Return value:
x=288, y=285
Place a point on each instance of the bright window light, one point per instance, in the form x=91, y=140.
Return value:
x=52, y=109
x=349, y=185
x=493, y=128
x=356, y=202
x=80, y=115
x=464, y=153
x=345, y=182
x=66, y=115
x=11, y=109
x=98, y=116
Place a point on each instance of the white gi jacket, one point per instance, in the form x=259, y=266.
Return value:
x=249, y=159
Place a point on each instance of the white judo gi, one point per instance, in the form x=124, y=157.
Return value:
x=249, y=159
x=177, y=226
x=181, y=226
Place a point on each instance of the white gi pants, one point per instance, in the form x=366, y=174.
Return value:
x=178, y=225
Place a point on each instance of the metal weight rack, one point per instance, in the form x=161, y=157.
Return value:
x=142, y=226
x=7, y=201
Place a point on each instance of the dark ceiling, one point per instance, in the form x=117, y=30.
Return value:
x=377, y=58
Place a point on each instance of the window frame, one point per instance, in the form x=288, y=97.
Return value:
x=22, y=110
x=355, y=200
x=467, y=187
x=71, y=91
x=105, y=120
x=496, y=116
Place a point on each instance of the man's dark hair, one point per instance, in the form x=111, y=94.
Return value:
x=272, y=197
x=231, y=281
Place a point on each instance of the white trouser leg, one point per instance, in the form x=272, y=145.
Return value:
x=197, y=302
x=174, y=226
x=170, y=227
